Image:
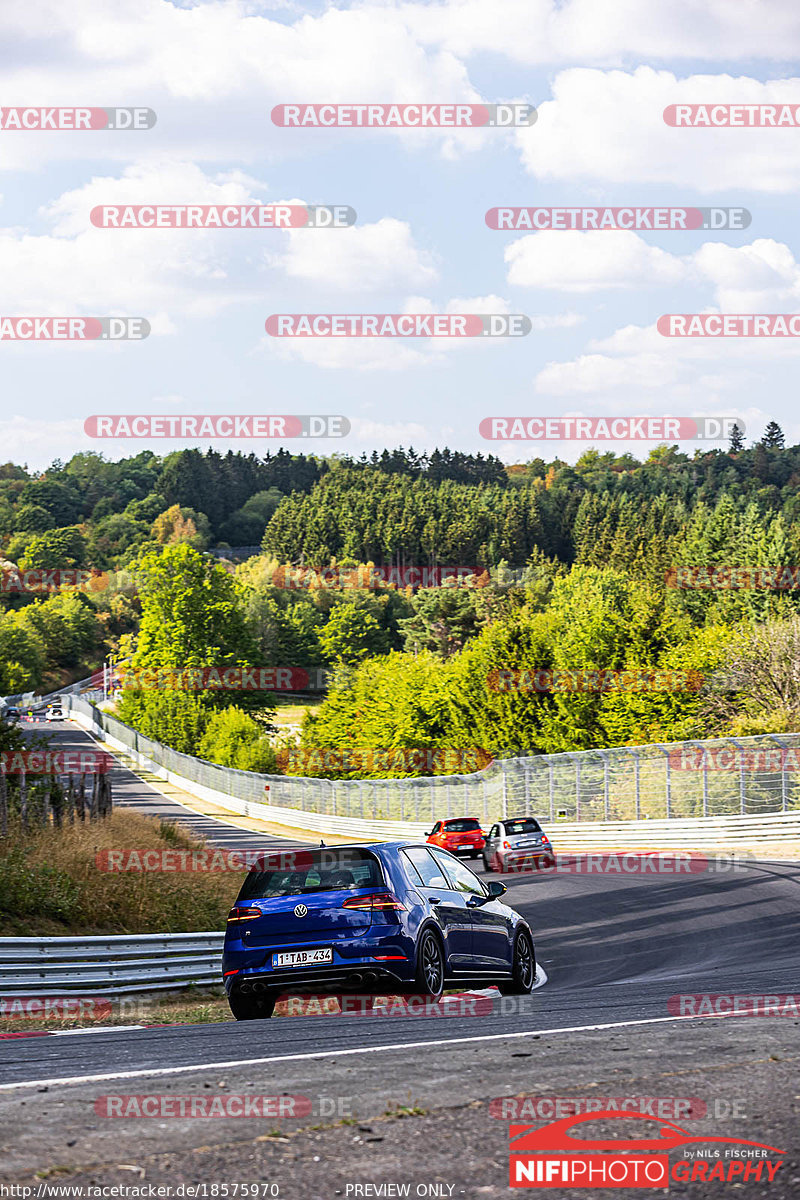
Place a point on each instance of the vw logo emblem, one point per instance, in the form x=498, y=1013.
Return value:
x=300, y=910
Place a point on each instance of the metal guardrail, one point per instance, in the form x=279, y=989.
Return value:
x=103, y=966
x=719, y=777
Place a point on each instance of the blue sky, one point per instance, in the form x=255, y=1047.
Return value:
x=600, y=72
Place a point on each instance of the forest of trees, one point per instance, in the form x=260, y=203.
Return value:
x=574, y=569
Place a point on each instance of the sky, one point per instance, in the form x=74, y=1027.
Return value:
x=600, y=73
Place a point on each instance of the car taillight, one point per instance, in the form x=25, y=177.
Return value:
x=243, y=914
x=506, y=845
x=381, y=901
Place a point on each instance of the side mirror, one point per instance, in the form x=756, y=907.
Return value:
x=496, y=889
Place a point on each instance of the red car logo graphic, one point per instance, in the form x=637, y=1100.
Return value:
x=526, y=1138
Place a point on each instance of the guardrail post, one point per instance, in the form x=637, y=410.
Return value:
x=605, y=786
x=705, y=783
x=636, y=787
x=505, y=788
x=577, y=789
x=447, y=796
x=527, y=774
x=668, y=781
x=552, y=791
x=485, y=801
x=742, y=797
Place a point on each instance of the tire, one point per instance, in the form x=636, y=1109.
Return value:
x=252, y=1006
x=488, y=868
x=475, y=854
x=523, y=971
x=430, y=965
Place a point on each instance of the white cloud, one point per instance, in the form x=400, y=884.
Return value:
x=360, y=258
x=762, y=276
x=213, y=72
x=165, y=274
x=582, y=262
x=608, y=127
x=607, y=31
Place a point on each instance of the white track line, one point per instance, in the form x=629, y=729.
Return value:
x=254, y=1062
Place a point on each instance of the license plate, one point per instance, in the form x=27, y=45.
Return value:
x=302, y=958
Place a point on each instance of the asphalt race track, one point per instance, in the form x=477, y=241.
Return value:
x=615, y=948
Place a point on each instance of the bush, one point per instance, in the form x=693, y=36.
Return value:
x=233, y=739
x=50, y=882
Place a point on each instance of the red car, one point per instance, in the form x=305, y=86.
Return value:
x=459, y=835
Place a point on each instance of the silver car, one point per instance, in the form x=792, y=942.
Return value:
x=518, y=844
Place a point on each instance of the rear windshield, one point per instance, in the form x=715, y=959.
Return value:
x=462, y=826
x=298, y=872
x=527, y=825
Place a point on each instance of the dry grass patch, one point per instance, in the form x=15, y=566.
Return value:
x=51, y=885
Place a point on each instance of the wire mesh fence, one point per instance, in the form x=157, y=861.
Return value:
x=718, y=777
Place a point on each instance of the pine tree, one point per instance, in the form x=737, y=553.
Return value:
x=736, y=441
x=773, y=437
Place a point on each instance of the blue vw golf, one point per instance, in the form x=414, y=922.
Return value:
x=390, y=917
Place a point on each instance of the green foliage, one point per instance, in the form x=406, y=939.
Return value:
x=177, y=718
x=191, y=613
x=36, y=890
x=33, y=518
x=352, y=634
x=55, y=549
x=233, y=739
x=61, y=500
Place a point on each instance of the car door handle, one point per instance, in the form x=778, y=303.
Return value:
x=435, y=899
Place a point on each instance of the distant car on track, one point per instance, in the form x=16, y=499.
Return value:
x=459, y=835
x=10, y=716
x=54, y=712
x=516, y=843
x=391, y=917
